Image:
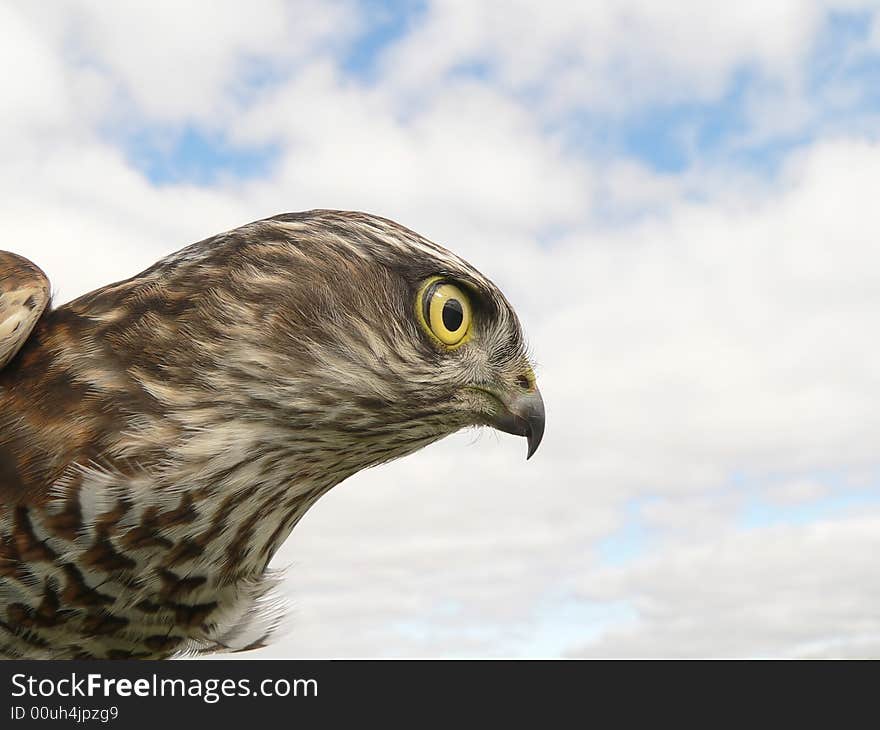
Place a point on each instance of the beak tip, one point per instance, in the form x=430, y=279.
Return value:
x=535, y=428
x=534, y=441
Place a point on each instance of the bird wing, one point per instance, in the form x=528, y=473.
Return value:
x=24, y=294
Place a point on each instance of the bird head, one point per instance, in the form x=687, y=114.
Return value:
x=381, y=341
x=343, y=338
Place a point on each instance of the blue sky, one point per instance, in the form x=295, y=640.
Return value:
x=666, y=137
x=678, y=200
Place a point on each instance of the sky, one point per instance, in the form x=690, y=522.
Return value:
x=679, y=199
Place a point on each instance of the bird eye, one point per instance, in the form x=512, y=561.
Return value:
x=445, y=312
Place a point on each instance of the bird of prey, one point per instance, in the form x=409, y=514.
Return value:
x=161, y=437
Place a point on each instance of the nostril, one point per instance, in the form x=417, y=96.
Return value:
x=523, y=382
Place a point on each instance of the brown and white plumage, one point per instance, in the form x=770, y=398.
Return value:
x=161, y=437
x=24, y=294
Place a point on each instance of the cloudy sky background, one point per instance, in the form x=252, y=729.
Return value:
x=681, y=199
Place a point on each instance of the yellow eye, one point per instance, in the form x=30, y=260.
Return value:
x=445, y=312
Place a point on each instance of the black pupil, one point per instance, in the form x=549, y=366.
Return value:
x=453, y=315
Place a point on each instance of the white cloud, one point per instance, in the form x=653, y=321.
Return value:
x=469, y=150
x=37, y=97
x=610, y=55
x=186, y=61
x=780, y=591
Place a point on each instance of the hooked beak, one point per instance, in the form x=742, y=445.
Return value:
x=522, y=414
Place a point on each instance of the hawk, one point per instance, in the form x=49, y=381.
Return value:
x=161, y=437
